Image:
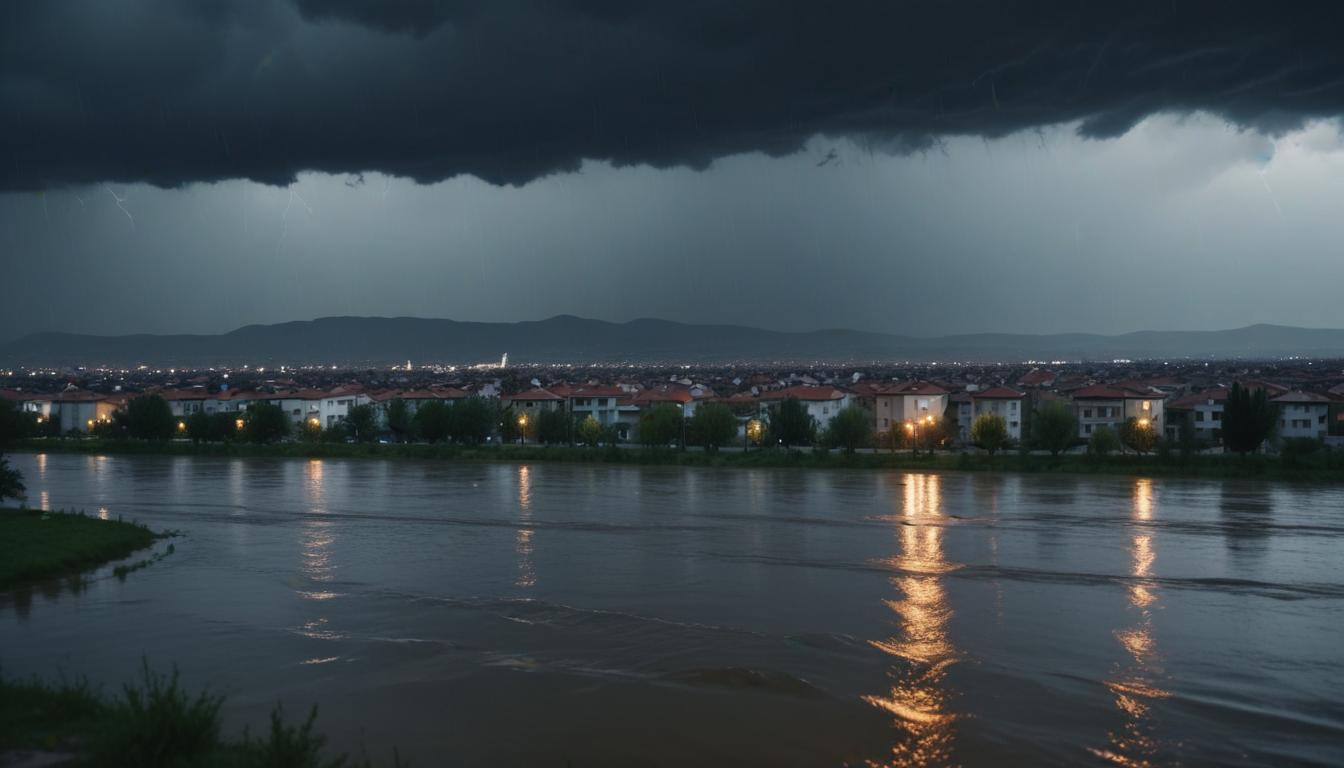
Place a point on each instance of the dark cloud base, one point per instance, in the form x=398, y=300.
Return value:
x=168, y=92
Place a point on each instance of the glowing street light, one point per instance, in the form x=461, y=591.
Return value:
x=238, y=423
x=522, y=429
x=181, y=426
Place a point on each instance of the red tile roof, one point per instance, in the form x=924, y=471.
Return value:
x=914, y=388
x=998, y=393
x=532, y=395
x=804, y=392
x=1111, y=392
x=1301, y=397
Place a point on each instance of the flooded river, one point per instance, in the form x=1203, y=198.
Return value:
x=548, y=614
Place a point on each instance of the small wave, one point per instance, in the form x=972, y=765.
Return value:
x=739, y=678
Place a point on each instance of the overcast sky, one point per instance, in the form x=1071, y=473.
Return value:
x=197, y=167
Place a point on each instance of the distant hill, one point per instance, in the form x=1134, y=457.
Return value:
x=568, y=339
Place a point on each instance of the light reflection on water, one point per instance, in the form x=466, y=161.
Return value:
x=1137, y=682
x=918, y=697
x=924, y=619
x=527, y=572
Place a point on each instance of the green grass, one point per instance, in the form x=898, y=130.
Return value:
x=37, y=545
x=1322, y=466
x=155, y=723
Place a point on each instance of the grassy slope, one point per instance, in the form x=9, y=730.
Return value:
x=1321, y=467
x=37, y=545
x=154, y=724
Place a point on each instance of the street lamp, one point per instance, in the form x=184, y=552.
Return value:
x=912, y=430
x=522, y=429
x=754, y=432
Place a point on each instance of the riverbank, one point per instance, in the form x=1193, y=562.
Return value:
x=154, y=723
x=36, y=545
x=1321, y=467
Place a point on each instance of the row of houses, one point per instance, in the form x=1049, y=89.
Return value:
x=892, y=404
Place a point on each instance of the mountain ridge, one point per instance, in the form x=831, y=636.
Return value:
x=357, y=340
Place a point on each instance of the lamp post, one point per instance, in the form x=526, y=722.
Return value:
x=912, y=430
x=522, y=429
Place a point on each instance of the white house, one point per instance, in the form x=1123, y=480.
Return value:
x=600, y=402
x=908, y=401
x=821, y=402
x=1111, y=406
x=79, y=411
x=1303, y=414
x=1010, y=404
x=1205, y=410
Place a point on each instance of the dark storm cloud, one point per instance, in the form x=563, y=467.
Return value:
x=169, y=92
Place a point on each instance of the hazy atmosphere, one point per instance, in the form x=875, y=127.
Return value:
x=195, y=170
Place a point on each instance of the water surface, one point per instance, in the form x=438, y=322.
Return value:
x=486, y=614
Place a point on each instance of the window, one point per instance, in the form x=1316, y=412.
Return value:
x=1013, y=424
x=884, y=422
x=1217, y=415
x=1012, y=406
x=1199, y=415
x=1087, y=429
x=1087, y=413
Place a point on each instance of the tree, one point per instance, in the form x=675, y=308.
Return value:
x=149, y=417
x=552, y=427
x=1248, y=419
x=15, y=424
x=790, y=423
x=1185, y=436
x=1103, y=442
x=590, y=431
x=713, y=425
x=361, y=423
x=1138, y=435
x=660, y=425
x=400, y=420
x=1053, y=427
x=990, y=431
x=266, y=423
x=851, y=428
x=11, y=481
x=198, y=427
x=434, y=421
x=473, y=420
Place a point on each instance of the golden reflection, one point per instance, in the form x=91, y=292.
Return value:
x=317, y=534
x=44, y=500
x=1137, y=683
x=527, y=574
x=104, y=514
x=41, y=466
x=918, y=698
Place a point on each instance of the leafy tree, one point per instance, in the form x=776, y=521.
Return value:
x=473, y=420
x=791, y=424
x=198, y=427
x=1053, y=427
x=1103, y=442
x=712, y=425
x=1185, y=436
x=11, y=481
x=590, y=431
x=851, y=428
x=361, y=423
x=265, y=423
x=15, y=423
x=311, y=431
x=149, y=417
x=990, y=431
x=660, y=425
x=1138, y=435
x=434, y=421
x=1248, y=419
x=552, y=427
x=400, y=420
